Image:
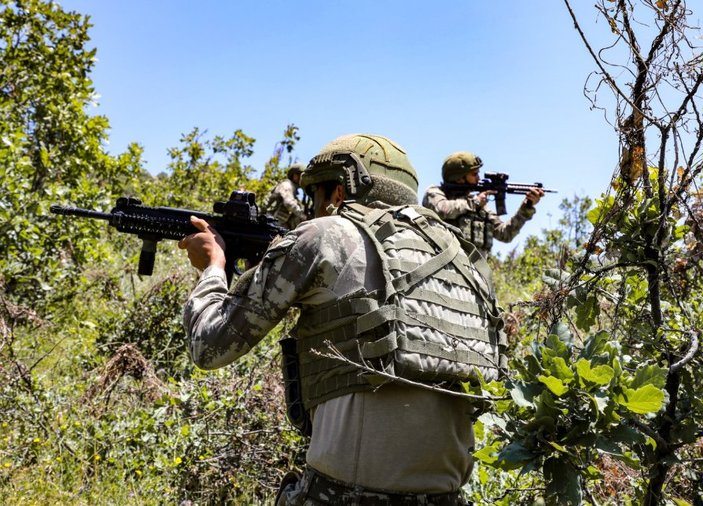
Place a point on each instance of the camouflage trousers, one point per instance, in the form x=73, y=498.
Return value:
x=315, y=489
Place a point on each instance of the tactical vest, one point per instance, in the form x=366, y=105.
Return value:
x=477, y=228
x=435, y=320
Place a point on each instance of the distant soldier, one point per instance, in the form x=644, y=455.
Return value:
x=282, y=202
x=468, y=212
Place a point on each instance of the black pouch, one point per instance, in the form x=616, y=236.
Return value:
x=297, y=414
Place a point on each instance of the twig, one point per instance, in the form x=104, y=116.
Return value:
x=335, y=354
x=661, y=442
x=692, y=350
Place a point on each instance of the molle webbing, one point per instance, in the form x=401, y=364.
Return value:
x=478, y=228
x=390, y=330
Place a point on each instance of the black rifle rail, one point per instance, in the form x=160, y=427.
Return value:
x=496, y=182
x=246, y=233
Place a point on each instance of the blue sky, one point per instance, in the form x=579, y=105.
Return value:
x=502, y=79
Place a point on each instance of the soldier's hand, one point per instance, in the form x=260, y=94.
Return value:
x=482, y=197
x=533, y=196
x=206, y=247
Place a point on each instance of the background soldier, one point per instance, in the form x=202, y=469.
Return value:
x=384, y=292
x=469, y=212
x=282, y=202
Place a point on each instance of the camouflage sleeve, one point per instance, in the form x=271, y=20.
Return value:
x=290, y=201
x=506, y=231
x=270, y=201
x=222, y=325
x=447, y=209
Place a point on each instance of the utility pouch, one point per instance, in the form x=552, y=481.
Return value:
x=290, y=366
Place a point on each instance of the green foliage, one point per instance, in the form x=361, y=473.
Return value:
x=524, y=271
x=100, y=402
x=124, y=436
x=50, y=149
x=204, y=169
x=154, y=322
x=591, y=399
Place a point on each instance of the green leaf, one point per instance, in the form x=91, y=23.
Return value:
x=594, y=344
x=587, y=313
x=561, y=370
x=681, y=502
x=487, y=454
x=626, y=435
x=600, y=209
x=492, y=420
x=649, y=375
x=557, y=447
x=553, y=347
x=545, y=405
x=599, y=375
x=515, y=456
x=542, y=424
x=629, y=458
x=563, y=482
x=555, y=385
x=532, y=366
x=560, y=330
x=523, y=395
x=646, y=399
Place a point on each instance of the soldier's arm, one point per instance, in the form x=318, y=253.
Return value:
x=290, y=202
x=447, y=209
x=222, y=325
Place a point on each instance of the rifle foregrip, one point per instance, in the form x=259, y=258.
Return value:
x=146, y=258
x=500, y=205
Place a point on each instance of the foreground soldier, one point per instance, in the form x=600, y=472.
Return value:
x=282, y=203
x=469, y=212
x=384, y=294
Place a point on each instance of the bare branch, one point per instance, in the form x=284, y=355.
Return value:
x=606, y=75
x=335, y=354
x=692, y=350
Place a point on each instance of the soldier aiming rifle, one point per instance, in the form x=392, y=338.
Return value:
x=462, y=197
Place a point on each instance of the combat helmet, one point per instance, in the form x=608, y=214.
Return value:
x=458, y=165
x=295, y=168
x=371, y=168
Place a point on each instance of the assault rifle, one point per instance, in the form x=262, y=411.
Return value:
x=246, y=233
x=494, y=181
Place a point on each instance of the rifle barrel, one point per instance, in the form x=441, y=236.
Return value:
x=77, y=211
x=521, y=188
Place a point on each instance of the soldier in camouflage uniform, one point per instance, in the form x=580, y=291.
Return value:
x=381, y=435
x=282, y=202
x=469, y=212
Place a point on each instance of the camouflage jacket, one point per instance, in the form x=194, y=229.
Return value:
x=358, y=438
x=479, y=224
x=284, y=206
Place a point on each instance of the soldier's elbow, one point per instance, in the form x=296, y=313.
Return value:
x=211, y=357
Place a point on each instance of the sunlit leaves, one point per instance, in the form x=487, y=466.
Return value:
x=568, y=400
x=649, y=375
x=598, y=375
x=646, y=399
x=555, y=385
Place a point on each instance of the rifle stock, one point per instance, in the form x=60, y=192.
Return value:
x=494, y=181
x=246, y=233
